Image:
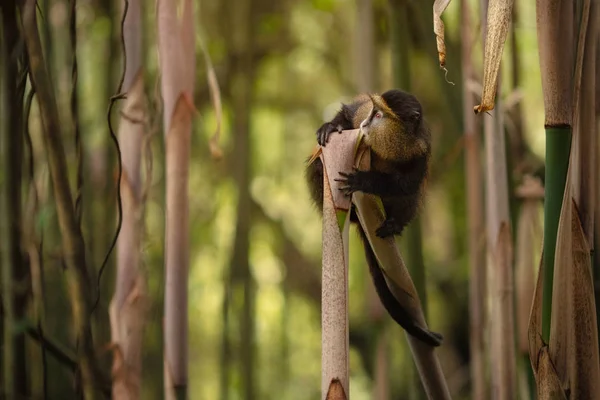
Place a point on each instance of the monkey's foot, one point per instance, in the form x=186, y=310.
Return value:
x=325, y=130
x=390, y=227
x=355, y=181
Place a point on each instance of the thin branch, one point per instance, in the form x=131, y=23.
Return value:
x=72, y=239
x=75, y=111
x=118, y=96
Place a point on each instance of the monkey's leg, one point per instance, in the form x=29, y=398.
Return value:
x=399, y=211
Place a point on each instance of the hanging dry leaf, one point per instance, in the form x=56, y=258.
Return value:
x=498, y=21
x=215, y=95
x=438, y=28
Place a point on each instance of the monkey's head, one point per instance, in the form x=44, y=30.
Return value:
x=393, y=128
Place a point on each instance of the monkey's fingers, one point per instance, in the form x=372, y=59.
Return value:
x=347, y=190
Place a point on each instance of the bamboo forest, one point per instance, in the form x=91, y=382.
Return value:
x=299, y=199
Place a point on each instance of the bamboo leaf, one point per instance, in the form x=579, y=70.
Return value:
x=498, y=22
x=534, y=331
x=439, y=6
x=549, y=386
x=573, y=346
x=215, y=95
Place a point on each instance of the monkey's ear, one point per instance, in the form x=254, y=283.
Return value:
x=415, y=115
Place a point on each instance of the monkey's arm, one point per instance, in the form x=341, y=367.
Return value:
x=349, y=117
x=383, y=184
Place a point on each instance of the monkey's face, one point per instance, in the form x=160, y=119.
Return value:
x=388, y=135
x=381, y=117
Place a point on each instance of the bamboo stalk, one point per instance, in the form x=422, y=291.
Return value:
x=128, y=306
x=177, y=63
x=477, y=278
x=72, y=239
x=338, y=155
x=555, y=37
x=585, y=188
x=499, y=243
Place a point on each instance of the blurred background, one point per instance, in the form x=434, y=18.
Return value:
x=283, y=67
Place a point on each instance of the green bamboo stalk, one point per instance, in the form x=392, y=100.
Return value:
x=555, y=37
x=558, y=147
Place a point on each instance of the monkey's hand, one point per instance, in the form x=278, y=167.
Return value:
x=327, y=129
x=355, y=181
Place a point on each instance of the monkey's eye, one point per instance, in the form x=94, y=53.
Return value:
x=379, y=114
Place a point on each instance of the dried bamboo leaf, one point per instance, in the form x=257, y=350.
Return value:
x=585, y=139
x=498, y=22
x=580, y=52
x=534, y=332
x=439, y=6
x=548, y=384
x=573, y=346
x=334, y=298
x=215, y=95
x=338, y=156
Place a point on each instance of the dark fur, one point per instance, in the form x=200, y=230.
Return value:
x=399, y=184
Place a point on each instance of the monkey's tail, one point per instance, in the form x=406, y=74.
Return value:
x=396, y=310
